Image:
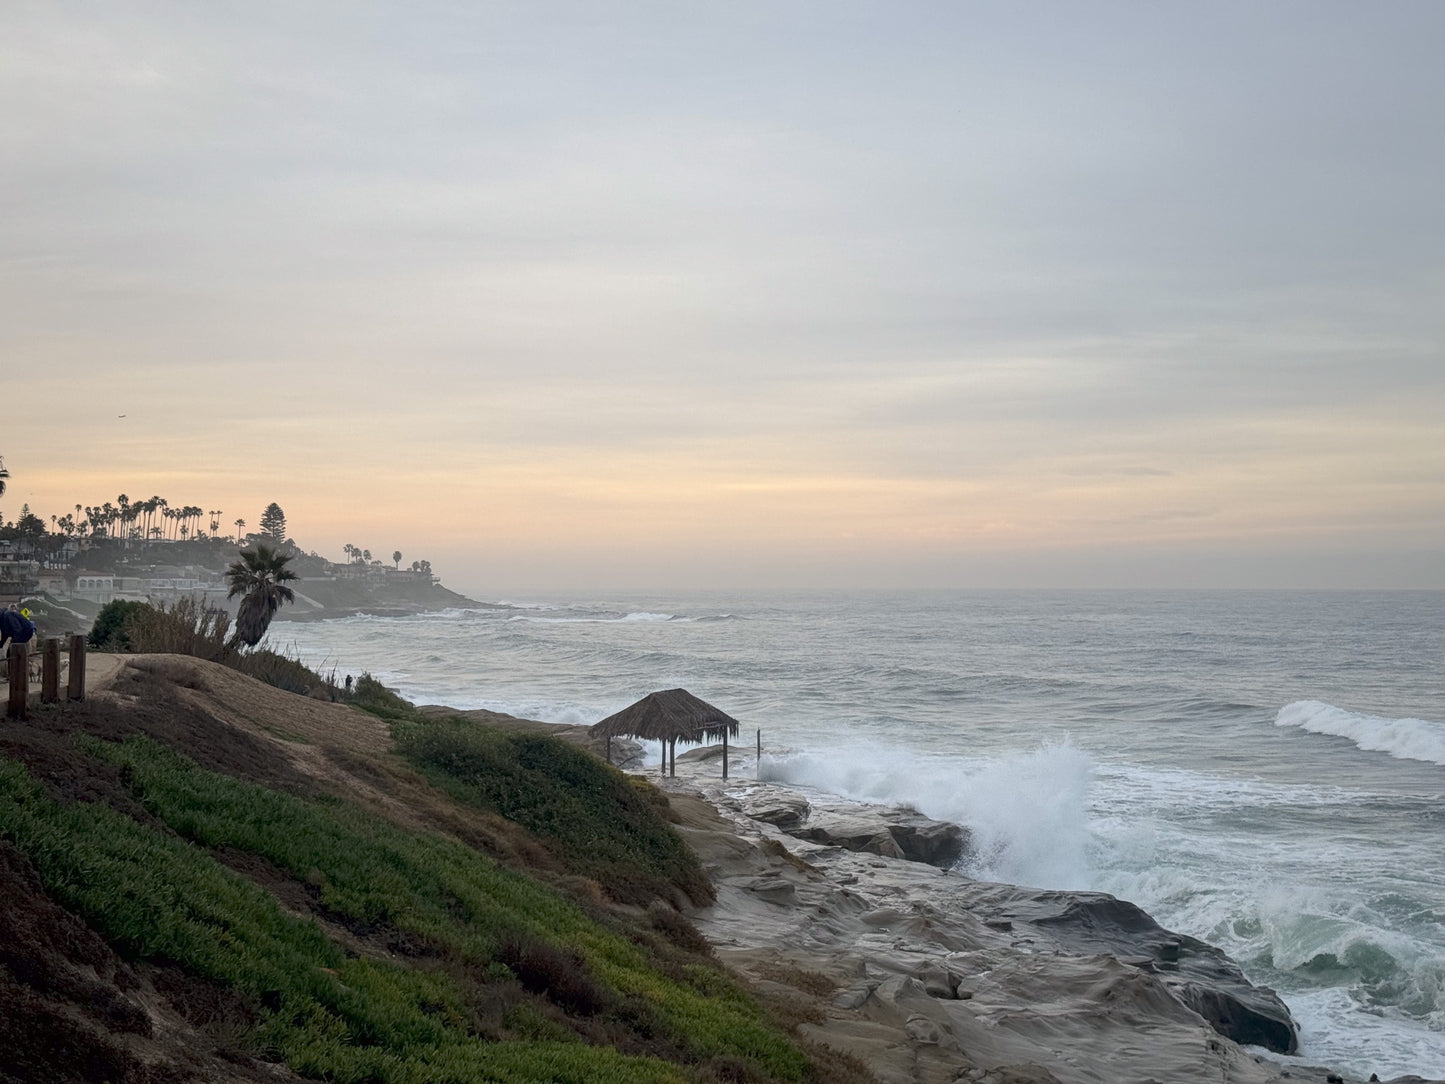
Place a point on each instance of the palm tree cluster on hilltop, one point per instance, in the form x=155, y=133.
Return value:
x=134, y=524
x=357, y=555
x=137, y=521
x=150, y=520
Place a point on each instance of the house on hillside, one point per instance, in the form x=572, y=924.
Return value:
x=56, y=583
x=94, y=586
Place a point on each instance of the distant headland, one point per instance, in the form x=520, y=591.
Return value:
x=149, y=550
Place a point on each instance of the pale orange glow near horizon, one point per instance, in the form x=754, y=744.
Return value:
x=718, y=498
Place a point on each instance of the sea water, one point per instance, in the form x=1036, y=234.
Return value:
x=1263, y=770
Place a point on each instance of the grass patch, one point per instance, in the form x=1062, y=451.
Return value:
x=381, y=701
x=362, y=1019
x=602, y=824
x=283, y=672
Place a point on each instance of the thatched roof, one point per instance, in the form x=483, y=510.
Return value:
x=663, y=716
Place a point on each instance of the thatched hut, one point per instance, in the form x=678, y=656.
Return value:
x=670, y=716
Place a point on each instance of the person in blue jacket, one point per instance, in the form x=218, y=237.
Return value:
x=15, y=627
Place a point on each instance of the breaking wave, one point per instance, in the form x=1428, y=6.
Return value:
x=1404, y=739
x=1027, y=811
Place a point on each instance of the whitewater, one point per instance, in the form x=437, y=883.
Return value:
x=1263, y=770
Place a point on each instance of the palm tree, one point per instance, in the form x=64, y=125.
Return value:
x=123, y=517
x=396, y=557
x=149, y=506
x=3, y=475
x=259, y=576
x=240, y=526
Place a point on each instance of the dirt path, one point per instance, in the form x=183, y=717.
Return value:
x=101, y=669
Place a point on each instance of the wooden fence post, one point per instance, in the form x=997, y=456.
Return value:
x=50, y=672
x=19, y=682
x=76, y=690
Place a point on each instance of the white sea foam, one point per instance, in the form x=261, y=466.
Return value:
x=1404, y=739
x=597, y=620
x=1026, y=810
x=1334, y=1030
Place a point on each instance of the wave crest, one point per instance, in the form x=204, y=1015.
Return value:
x=1027, y=810
x=1404, y=739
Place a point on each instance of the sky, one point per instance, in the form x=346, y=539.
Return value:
x=741, y=295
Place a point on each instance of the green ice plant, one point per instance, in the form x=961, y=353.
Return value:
x=158, y=895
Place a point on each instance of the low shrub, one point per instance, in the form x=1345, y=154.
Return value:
x=109, y=633
x=185, y=627
x=376, y=698
x=562, y=976
x=284, y=672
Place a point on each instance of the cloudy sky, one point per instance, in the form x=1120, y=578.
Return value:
x=744, y=294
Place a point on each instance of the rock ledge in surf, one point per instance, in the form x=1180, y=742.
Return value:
x=1201, y=976
x=888, y=833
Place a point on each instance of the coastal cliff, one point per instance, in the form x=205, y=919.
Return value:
x=320, y=597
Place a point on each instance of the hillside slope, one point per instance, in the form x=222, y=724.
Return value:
x=205, y=878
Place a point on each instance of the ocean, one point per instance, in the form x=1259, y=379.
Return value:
x=1262, y=770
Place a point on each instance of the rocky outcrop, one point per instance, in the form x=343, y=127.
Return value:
x=931, y=977
x=1198, y=974
x=889, y=833
x=781, y=808
x=862, y=833
x=922, y=839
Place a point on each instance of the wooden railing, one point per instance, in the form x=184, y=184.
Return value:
x=18, y=662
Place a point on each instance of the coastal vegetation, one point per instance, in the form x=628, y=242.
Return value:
x=157, y=895
x=512, y=919
x=604, y=825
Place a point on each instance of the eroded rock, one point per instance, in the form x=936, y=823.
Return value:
x=889, y=833
x=1198, y=974
x=865, y=832
x=772, y=805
